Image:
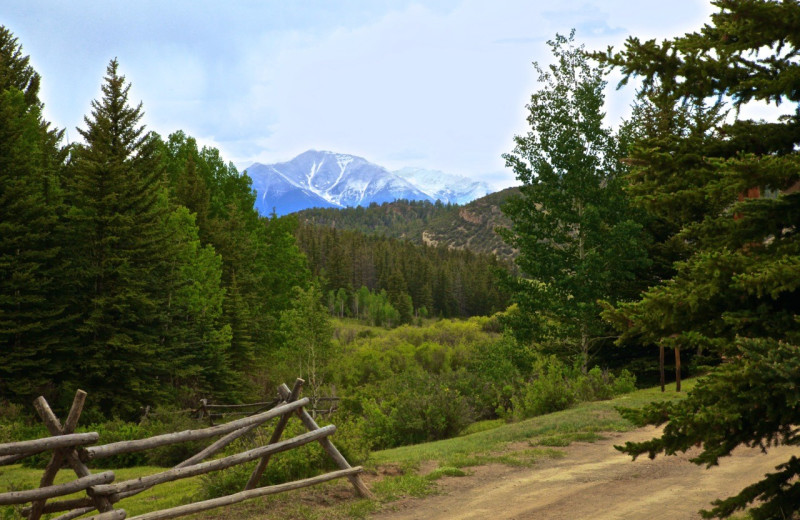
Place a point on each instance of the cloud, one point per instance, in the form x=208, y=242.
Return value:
x=518, y=41
x=441, y=85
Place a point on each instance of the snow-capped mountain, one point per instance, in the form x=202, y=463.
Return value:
x=327, y=179
x=444, y=186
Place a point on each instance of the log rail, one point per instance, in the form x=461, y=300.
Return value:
x=102, y=492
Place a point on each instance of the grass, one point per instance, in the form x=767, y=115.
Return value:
x=518, y=444
x=163, y=496
x=582, y=422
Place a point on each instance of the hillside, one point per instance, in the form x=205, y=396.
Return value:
x=471, y=226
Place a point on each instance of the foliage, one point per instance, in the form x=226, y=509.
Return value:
x=142, y=261
x=735, y=293
x=579, y=241
x=471, y=226
x=303, y=462
x=442, y=281
x=308, y=344
x=32, y=310
x=413, y=384
x=555, y=387
x=414, y=407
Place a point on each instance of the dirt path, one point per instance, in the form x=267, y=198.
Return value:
x=593, y=481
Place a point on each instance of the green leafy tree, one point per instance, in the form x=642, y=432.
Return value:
x=308, y=334
x=577, y=237
x=195, y=334
x=31, y=260
x=736, y=293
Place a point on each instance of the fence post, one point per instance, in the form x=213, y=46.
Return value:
x=103, y=504
x=328, y=446
x=276, y=435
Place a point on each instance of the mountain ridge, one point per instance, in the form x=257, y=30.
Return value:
x=470, y=226
x=327, y=179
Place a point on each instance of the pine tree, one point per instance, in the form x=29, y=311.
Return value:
x=121, y=254
x=31, y=260
x=737, y=293
x=577, y=238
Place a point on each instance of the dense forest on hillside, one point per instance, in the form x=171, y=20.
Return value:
x=439, y=281
x=469, y=226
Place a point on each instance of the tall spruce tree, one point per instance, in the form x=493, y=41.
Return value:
x=577, y=238
x=31, y=261
x=121, y=255
x=738, y=292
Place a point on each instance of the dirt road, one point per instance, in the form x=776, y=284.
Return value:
x=594, y=481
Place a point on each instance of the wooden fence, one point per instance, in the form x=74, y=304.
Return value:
x=319, y=407
x=102, y=492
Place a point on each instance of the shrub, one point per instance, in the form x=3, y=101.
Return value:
x=302, y=462
x=415, y=407
x=550, y=390
x=169, y=421
x=556, y=387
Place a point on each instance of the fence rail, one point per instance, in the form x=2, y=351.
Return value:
x=102, y=492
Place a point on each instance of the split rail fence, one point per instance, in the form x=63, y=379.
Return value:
x=76, y=449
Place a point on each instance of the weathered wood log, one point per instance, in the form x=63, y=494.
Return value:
x=216, y=446
x=20, y=497
x=75, y=411
x=117, y=448
x=247, y=405
x=221, y=443
x=48, y=443
x=62, y=505
x=118, y=514
x=53, y=425
x=252, y=482
x=241, y=496
x=330, y=449
x=57, y=459
x=142, y=483
x=76, y=513
x=11, y=459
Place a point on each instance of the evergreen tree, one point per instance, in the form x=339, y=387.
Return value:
x=737, y=293
x=577, y=238
x=121, y=255
x=31, y=261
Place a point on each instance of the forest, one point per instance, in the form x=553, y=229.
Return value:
x=134, y=266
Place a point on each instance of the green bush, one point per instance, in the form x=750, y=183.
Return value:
x=415, y=407
x=168, y=421
x=115, y=431
x=554, y=387
x=302, y=462
x=550, y=391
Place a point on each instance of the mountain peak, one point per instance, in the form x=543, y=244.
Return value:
x=321, y=178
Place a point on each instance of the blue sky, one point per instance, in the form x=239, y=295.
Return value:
x=440, y=85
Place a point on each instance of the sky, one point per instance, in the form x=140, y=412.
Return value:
x=440, y=85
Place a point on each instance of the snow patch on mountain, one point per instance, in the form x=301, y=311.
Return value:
x=327, y=179
x=444, y=186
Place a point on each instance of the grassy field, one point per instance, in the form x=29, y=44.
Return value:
x=395, y=473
